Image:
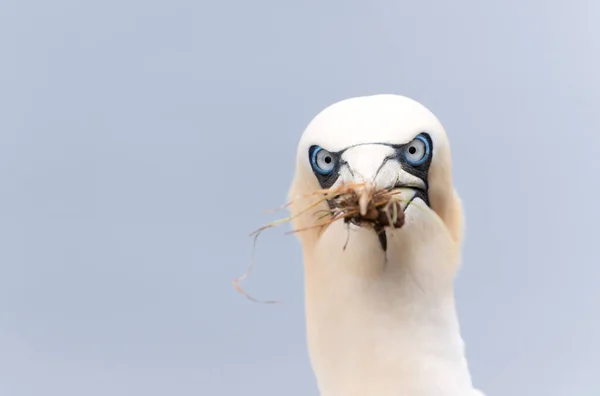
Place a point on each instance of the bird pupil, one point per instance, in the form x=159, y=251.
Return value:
x=328, y=160
x=412, y=150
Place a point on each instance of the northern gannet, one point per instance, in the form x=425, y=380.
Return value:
x=380, y=312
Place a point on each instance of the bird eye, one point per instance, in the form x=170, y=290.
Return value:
x=323, y=161
x=417, y=151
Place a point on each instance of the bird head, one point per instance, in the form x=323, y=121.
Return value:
x=386, y=141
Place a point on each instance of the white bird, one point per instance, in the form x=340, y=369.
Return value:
x=380, y=313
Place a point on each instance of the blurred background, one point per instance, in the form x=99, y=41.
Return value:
x=140, y=142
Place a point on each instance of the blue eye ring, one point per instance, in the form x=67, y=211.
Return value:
x=316, y=167
x=425, y=155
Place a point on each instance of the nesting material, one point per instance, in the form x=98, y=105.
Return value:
x=360, y=204
x=367, y=206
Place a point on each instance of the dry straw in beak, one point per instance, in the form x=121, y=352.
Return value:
x=357, y=203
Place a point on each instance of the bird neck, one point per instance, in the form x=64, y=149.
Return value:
x=384, y=323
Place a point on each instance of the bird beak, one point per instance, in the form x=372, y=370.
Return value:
x=374, y=168
x=364, y=197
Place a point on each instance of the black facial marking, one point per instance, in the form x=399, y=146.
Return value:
x=328, y=180
x=382, y=237
x=420, y=194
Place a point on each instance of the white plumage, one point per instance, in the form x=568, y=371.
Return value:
x=381, y=318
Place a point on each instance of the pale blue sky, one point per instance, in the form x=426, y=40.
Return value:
x=141, y=140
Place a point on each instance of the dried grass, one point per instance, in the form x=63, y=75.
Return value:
x=356, y=203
